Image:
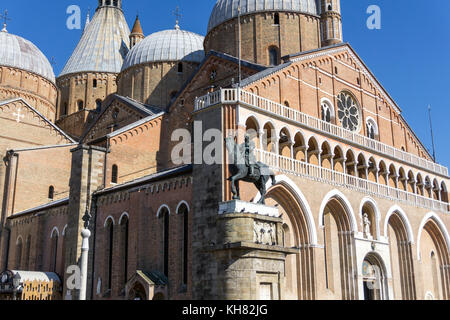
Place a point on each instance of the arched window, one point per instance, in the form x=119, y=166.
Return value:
x=54, y=251
x=165, y=217
x=98, y=104
x=115, y=174
x=273, y=56
x=326, y=112
x=64, y=110
x=183, y=211
x=80, y=105
x=51, y=192
x=372, y=129
x=19, y=246
x=109, y=234
x=180, y=67
x=124, y=226
x=94, y=83
x=276, y=19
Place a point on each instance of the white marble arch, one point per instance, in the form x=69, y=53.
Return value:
x=301, y=199
x=441, y=225
x=125, y=214
x=164, y=206
x=180, y=204
x=53, y=230
x=404, y=218
x=343, y=199
x=107, y=219
x=377, y=214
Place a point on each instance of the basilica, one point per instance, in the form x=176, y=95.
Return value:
x=92, y=173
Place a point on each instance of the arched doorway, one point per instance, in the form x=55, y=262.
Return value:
x=297, y=232
x=403, y=280
x=339, y=249
x=374, y=278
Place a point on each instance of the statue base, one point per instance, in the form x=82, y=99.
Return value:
x=238, y=206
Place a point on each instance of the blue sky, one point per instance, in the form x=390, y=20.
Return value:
x=409, y=55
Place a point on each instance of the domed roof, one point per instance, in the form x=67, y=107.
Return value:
x=168, y=45
x=103, y=45
x=228, y=9
x=22, y=54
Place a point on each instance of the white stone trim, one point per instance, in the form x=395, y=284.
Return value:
x=164, y=206
x=180, y=204
x=125, y=214
x=404, y=217
x=347, y=206
x=441, y=225
x=53, y=230
x=106, y=221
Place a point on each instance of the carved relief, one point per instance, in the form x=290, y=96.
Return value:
x=265, y=233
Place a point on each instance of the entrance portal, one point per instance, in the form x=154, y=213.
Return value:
x=374, y=279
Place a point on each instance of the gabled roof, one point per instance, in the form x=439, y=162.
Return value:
x=4, y=102
x=144, y=109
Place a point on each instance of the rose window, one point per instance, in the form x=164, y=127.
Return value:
x=348, y=112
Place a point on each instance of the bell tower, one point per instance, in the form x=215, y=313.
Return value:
x=137, y=35
x=330, y=22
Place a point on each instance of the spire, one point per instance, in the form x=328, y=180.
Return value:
x=88, y=20
x=137, y=35
x=137, y=28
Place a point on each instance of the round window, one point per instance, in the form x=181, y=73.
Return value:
x=348, y=112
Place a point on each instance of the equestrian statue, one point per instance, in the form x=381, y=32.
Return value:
x=244, y=167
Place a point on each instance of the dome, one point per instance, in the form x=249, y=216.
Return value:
x=22, y=54
x=228, y=9
x=168, y=45
x=103, y=45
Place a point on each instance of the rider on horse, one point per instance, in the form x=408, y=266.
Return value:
x=250, y=160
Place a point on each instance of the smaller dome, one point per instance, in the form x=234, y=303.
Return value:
x=22, y=54
x=168, y=45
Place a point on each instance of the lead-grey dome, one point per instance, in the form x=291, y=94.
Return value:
x=168, y=45
x=103, y=45
x=22, y=54
x=228, y=9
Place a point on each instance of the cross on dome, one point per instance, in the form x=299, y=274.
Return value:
x=5, y=19
x=178, y=16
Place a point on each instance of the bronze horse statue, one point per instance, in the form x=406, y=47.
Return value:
x=243, y=167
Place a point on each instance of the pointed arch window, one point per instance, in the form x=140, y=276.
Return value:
x=115, y=174
x=165, y=217
x=276, y=19
x=124, y=226
x=109, y=234
x=273, y=56
x=54, y=251
x=183, y=211
x=19, y=246
x=51, y=193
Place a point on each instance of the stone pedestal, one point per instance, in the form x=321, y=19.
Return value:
x=250, y=252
